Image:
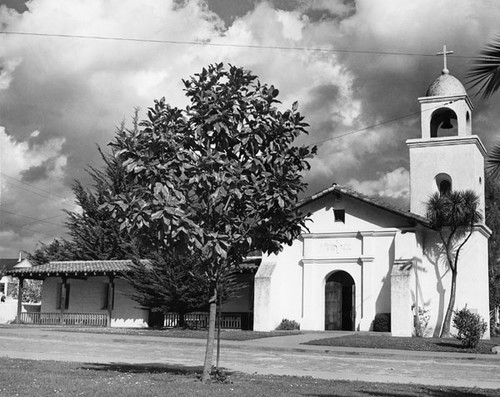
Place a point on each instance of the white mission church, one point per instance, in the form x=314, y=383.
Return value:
x=359, y=258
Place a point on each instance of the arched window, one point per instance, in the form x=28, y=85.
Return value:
x=443, y=182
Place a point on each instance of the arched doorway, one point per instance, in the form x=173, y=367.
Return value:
x=340, y=302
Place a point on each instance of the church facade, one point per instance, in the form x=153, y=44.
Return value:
x=362, y=258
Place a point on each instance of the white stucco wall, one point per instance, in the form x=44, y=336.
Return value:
x=278, y=284
x=433, y=280
x=428, y=158
x=363, y=246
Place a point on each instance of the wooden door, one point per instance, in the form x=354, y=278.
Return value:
x=333, y=306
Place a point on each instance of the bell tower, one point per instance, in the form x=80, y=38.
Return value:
x=447, y=156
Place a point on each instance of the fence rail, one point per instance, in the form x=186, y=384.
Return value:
x=196, y=320
x=200, y=320
x=89, y=319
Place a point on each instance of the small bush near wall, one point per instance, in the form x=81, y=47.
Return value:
x=382, y=322
x=470, y=326
x=288, y=325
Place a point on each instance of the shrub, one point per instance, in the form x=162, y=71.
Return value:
x=288, y=325
x=470, y=326
x=382, y=322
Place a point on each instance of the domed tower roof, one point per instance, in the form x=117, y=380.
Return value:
x=446, y=85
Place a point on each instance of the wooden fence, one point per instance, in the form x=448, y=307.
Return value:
x=200, y=320
x=196, y=320
x=87, y=319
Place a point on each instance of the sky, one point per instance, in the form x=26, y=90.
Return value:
x=356, y=68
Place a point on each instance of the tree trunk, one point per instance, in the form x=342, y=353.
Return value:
x=207, y=367
x=182, y=320
x=445, y=331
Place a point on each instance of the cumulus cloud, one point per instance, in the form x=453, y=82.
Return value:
x=60, y=96
x=393, y=185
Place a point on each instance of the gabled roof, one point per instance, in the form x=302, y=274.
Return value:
x=342, y=190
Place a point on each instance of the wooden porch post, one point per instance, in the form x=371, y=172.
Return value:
x=63, y=300
x=111, y=298
x=20, y=299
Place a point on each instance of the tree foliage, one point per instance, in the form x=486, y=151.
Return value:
x=32, y=290
x=485, y=76
x=485, y=71
x=169, y=283
x=94, y=233
x=453, y=216
x=218, y=179
x=492, y=200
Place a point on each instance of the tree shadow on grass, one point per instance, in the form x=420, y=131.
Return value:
x=417, y=391
x=148, y=368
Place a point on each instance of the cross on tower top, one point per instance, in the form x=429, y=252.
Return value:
x=444, y=53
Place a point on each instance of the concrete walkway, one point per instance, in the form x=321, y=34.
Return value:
x=284, y=355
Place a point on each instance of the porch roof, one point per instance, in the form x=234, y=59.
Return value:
x=95, y=268
x=90, y=268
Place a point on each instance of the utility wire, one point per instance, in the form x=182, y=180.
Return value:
x=69, y=206
x=32, y=186
x=208, y=43
x=25, y=228
x=41, y=220
x=379, y=124
x=31, y=217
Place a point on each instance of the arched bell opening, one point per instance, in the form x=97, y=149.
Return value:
x=340, y=300
x=444, y=123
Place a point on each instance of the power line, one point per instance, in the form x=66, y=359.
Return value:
x=31, y=217
x=32, y=186
x=365, y=128
x=38, y=194
x=379, y=124
x=41, y=220
x=25, y=228
x=212, y=44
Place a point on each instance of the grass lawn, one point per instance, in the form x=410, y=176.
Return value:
x=417, y=344
x=236, y=335
x=50, y=378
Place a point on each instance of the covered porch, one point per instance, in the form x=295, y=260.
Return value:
x=86, y=293
x=96, y=293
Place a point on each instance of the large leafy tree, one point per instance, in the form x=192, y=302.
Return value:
x=167, y=284
x=218, y=179
x=453, y=216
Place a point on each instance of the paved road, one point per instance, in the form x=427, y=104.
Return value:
x=279, y=355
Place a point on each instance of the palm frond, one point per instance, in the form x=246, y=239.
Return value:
x=493, y=161
x=485, y=72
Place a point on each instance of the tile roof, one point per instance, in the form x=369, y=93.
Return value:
x=75, y=267
x=366, y=199
x=96, y=268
